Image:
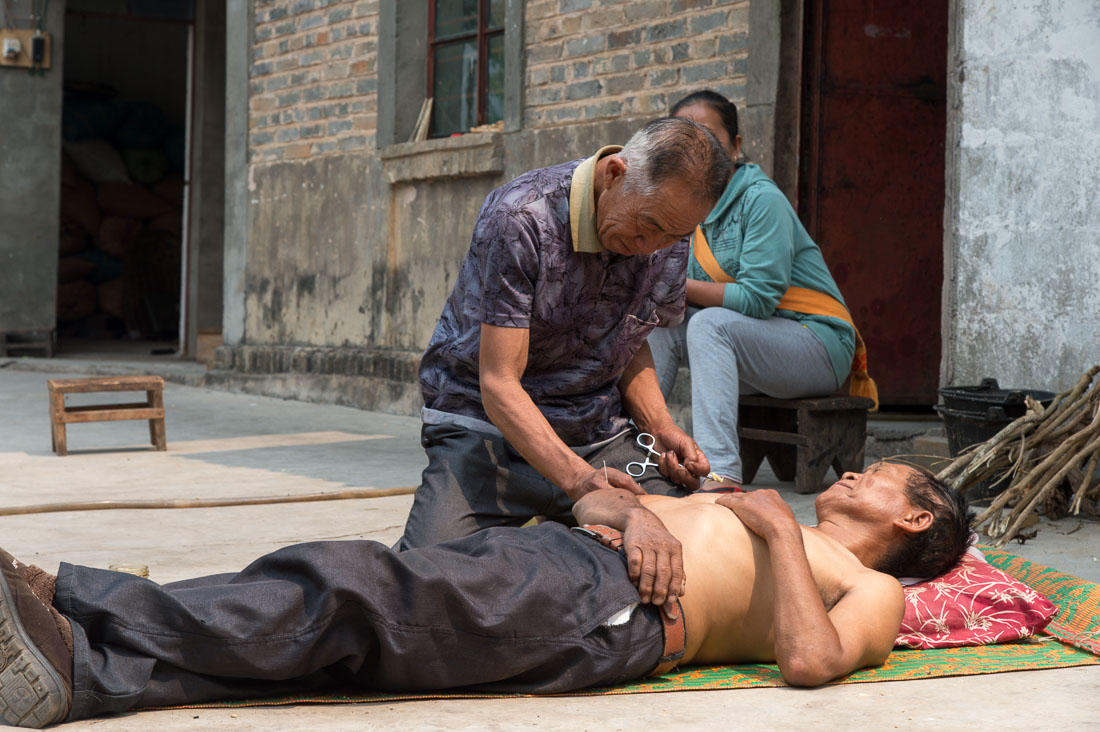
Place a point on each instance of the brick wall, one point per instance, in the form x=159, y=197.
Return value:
x=597, y=59
x=314, y=86
x=314, y=71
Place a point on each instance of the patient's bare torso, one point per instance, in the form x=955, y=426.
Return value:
x=729, y=601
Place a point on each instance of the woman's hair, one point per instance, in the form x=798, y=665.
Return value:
x=727, y=110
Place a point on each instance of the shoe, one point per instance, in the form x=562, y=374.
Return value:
x=36, y=662
x=43, y=584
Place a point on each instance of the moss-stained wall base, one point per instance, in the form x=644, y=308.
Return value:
x=374, y=379
x=367, y=378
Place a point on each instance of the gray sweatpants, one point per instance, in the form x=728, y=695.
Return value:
x=732, y=354
x=475, y=480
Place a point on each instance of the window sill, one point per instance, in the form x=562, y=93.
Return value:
x=465, y=156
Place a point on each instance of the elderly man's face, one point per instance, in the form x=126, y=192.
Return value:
x=630, y=223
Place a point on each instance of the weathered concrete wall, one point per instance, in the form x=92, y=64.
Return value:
x=1022, y=258
x=238, y=46
x=207, y=222
x=347, y=273
x=350, y=247
x=30, y=188
x=340, y=257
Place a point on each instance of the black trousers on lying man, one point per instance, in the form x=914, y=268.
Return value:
x=540, y=609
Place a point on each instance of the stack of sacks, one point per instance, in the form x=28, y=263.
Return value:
x=111, y=228
x=121, y=217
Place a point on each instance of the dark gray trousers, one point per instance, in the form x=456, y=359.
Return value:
x=506, y=609
x=475, y=480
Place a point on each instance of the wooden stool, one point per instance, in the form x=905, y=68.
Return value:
x=801, y=438
x=151, y=409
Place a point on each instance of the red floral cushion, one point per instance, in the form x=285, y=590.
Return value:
x=972, y=604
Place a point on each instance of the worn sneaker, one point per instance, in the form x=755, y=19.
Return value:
x=36, y=658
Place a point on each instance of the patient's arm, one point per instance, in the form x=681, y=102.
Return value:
x=654, y=557
x=813, y=645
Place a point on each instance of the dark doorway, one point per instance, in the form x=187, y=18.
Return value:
x=124, y=129
x=871, y=176
x=140, y=267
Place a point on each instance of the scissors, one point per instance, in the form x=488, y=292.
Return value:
x=637, y=469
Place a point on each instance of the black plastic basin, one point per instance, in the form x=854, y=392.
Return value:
x=988, y=398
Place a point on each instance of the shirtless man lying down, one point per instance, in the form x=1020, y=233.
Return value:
x=539, y=609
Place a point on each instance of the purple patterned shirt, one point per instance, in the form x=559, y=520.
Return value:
x=588, y=314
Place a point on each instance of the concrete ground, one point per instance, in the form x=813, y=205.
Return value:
x=232, y=445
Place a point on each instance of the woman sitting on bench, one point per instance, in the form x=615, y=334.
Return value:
x=764, y=315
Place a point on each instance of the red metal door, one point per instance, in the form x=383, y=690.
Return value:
x=871, y=177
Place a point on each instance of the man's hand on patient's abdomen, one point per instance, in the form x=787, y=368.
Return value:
x=590, y=479
x=654, y=558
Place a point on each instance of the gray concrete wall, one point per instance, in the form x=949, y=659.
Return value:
x=238, y=37
x=30, y=188
x=344, y=317
x=1022, y=224
x=341, y=246
x=207, y=175
x=378, y=259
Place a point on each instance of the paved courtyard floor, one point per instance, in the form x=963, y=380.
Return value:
x=234, y=445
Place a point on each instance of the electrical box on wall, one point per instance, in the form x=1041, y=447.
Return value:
x=24, y=48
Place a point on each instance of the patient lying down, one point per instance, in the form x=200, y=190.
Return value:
x=712, y=578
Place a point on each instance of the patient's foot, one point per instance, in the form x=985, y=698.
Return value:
x=36, y=648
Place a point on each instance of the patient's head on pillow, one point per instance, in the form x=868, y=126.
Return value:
x=935, y=550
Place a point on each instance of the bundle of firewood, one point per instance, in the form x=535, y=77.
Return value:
x=1043, y=461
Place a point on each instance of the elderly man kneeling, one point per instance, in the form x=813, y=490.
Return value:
x=539, y=362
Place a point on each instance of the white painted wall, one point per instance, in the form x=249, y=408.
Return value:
x=1022, y=256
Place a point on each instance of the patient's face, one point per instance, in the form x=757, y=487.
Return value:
x=878, y=493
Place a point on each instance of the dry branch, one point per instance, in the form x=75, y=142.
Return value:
x=1037, y=460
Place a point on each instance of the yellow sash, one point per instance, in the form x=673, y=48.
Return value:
x=802, y=300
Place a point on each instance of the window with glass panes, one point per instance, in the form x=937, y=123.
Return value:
x=466, y=64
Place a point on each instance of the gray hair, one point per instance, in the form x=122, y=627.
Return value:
x=674, y=148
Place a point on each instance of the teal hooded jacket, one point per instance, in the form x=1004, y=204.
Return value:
x=758, y=240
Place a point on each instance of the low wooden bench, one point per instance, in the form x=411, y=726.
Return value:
x=21, y=341
x=151, y=409
x=802, y=438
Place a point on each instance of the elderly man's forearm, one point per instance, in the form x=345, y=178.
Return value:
x=612, y=507
x=641, y=392
x=513, y=412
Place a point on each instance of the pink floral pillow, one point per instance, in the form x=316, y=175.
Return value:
x=972, y=604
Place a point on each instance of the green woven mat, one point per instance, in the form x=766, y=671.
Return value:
x=1078, y=618
x=1067, y=642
